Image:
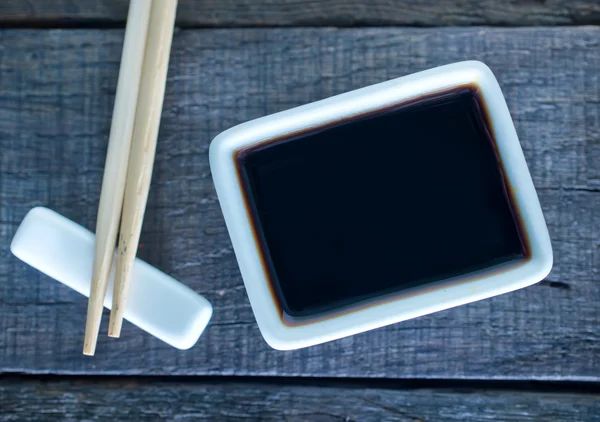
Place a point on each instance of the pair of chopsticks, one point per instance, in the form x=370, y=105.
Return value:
x=130, y=157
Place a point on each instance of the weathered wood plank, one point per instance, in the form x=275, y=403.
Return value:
x=57, y=90
x=200, y=400
x=228, y=13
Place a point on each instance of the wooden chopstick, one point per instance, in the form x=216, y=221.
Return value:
x=115, y=170
x=141, y=159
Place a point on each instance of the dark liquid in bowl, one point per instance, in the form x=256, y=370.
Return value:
x=380, y=203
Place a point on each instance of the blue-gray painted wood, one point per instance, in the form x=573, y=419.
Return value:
x=236, y=13
x=199, y=400
x=57, y=89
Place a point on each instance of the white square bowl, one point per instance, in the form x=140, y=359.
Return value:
x=283, y=335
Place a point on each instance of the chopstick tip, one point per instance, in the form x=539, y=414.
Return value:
x=114, y=327
x=89, y=349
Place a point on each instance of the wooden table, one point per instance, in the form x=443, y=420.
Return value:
x=529, y=355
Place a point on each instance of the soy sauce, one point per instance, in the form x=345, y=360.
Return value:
x=381, y=203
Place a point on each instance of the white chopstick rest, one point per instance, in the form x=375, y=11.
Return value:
x=157, y=303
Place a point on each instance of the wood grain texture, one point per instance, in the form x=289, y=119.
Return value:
x=221, y=401
x=57, y=93
x=230, y=13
